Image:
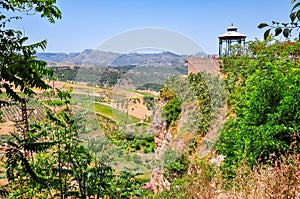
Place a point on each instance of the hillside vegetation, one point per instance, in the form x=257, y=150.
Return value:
x=257, y=152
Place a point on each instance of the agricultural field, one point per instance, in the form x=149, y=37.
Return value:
x=119, y=116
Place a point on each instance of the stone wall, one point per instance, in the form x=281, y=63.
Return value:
x=198, y=64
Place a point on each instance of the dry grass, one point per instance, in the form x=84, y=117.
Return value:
x=279, y=181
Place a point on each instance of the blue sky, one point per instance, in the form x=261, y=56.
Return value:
x=86, y=24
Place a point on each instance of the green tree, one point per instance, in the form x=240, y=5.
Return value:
x=52, y=160
x=171, y=111
x=19, y=67
x=20, y=70
x=262, y=102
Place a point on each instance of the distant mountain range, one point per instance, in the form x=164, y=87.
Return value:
x=103, y=59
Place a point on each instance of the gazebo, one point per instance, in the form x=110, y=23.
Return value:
x=229, y=38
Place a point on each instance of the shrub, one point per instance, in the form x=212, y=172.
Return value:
x=175, y=164
x=137, y=159
x=137, y=147
x=143, y=142
x=263, y=95
x=146, y=150
x=171, y=110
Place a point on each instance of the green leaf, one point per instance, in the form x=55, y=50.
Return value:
x=38, y=146
x=286, y=32
x=295, y=6
x=293, y=16
x=3, y=192
x=266, y=34
x=262, y=25
x=278, y=30
x=298, y=14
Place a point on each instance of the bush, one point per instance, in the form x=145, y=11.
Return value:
x=171, y=110
x=137, y=147
x=150, y=86
x=1, y=117
x=137, y=159
x=146, y=150
x=264, y=95
x=143, y=142
x=54, y=102
x=175, y=164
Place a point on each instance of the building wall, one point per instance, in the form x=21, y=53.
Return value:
x=198, y=64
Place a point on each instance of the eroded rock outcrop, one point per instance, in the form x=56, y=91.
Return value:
x=176, y=138
x=202, y=99
x=162, y=139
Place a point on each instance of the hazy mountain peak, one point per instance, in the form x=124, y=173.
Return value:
x=102, y=58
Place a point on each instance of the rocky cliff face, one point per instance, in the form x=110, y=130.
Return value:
x=162, y=134
x=176, y=138
x=179, y=138
x=162, y=139
x=184, y=132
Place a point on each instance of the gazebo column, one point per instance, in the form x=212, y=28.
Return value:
x=220, y=47
x=231, y=36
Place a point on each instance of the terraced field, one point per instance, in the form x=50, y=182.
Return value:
x=108, y=112
x=12, y=112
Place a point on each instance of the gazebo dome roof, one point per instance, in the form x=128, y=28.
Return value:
x=232, y=34
x=232, y=28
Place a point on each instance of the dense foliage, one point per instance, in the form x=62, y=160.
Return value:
x=176, y=164
x=263, y=97
x=201, y=90
x=95, y=76
x=52, y=160
x=172, y=110
x=150, y=86
x=18, y=65
x=210, y=95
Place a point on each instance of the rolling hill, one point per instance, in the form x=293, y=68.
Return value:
x=99, y=58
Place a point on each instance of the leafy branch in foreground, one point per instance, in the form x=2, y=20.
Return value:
x=20, y=70
x=47, y=8
x=285, y=28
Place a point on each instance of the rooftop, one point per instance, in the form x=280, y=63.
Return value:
x=232, y=34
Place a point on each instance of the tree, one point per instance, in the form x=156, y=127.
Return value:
x=284, y=28
x=59, y=165
x=262, y=91
x=21, y=70
x=19, y=67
